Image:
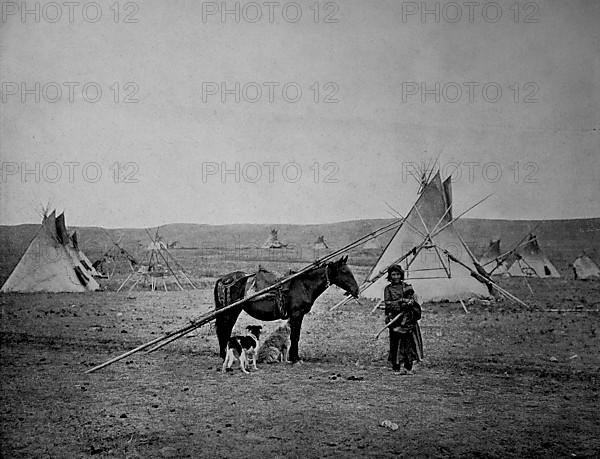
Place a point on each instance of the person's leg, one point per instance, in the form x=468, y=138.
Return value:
x=393, y=356
x=408, y=365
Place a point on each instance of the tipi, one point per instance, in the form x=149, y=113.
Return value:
x=51, y=263
x=273, y=241
x=532, y=262
x=491, y=261
x=320, y=243
x=585, y=268
x=428, y=268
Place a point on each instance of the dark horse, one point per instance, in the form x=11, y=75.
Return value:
x=292, y=301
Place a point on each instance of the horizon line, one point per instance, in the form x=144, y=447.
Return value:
x=303, y=224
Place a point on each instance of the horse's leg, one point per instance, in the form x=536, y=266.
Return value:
x=224, y=324
x=295, y=323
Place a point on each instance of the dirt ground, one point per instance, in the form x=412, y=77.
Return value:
x=502, y=380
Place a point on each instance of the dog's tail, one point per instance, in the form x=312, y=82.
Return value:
x=268, y=354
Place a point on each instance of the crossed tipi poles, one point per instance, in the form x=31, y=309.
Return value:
x=161, y=264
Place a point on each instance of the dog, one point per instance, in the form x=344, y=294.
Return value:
x=243, y=348
x=276, y=346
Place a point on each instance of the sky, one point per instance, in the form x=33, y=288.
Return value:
x=132, y=114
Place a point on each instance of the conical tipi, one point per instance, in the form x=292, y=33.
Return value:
x=273, y=241
x=491, y=261
x=585, y=268
x=50, y=263
x=428, y=269
x=532, y=262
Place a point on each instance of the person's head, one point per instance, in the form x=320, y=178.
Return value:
x=395, y=274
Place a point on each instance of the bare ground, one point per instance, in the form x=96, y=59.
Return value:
x=501, y=380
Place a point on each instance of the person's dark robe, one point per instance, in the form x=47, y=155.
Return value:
x=406, y=344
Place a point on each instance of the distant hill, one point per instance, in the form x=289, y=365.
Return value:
x=562, y=240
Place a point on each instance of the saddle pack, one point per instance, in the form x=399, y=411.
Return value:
x=238, y=285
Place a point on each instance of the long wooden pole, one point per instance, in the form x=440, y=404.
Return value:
x=388, y=325
x=381, y=273
x=483, y=279
x=210, y=316
x=175, y=337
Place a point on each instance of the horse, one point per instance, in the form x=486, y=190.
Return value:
x=291, y=301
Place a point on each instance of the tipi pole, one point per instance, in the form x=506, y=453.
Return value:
x=124, y=282
x=483, y=279
x=388, y=325
x=397, y=214
x=134, y=284
x=126, y=354
x=377, y=305
x=528, y=285
x=456, y=218
x=204, y=318
x=170, y=269
x=471, y=255
x=366, y=284
x=180, y=267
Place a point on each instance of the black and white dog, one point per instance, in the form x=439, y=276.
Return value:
x=243, y=348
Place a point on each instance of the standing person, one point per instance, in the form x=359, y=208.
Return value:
x=406, y=344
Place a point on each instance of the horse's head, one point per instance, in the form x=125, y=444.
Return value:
x=341, y=275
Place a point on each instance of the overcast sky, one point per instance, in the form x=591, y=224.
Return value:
x=517, y=110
